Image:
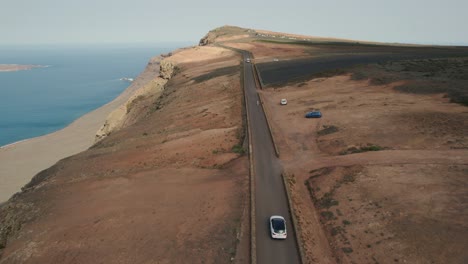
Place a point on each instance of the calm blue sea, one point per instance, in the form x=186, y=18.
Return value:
x=78, y=80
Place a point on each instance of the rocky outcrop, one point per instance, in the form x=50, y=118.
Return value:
x=207, y=39
x=224, y=31
x=117, y=119
x=167, y=69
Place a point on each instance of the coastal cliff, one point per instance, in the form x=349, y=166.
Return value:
x=225, y=33
x=125, y=114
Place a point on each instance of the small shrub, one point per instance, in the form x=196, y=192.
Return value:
x=348, y=178
x=369, y=147
x=238, y=149
x=327, y=215
x=346, y=222
x=335, y=231
x=217, y=166
x=347, y=250
x=354, y=150
x=357, y=76
x=327, y=201
x=327, y=130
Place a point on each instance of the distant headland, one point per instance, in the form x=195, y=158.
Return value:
x=18, y=67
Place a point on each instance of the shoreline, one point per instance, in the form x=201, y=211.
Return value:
x=16, y=142
x=20, y=161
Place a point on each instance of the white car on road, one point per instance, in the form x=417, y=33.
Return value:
x=284, y=101
x=278, y=227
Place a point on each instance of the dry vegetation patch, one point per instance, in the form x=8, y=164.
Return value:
x=401, y=213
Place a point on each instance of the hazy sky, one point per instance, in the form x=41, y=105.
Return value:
x=124, y=21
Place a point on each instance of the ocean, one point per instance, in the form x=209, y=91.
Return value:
x=77, y=80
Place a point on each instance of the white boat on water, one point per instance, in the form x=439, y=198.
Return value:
x=126, y=79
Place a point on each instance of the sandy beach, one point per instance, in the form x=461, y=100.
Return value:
x=20, y=161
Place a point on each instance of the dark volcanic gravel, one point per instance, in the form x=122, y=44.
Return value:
x=282, y=72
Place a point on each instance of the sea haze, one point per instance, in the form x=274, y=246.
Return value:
x=78, y=79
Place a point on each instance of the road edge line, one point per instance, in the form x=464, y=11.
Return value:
x=267, y=117
x=253, y=231
x=258, y=77
x=253, y=234
x=295, y=223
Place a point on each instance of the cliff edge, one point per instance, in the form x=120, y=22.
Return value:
x=123, y=116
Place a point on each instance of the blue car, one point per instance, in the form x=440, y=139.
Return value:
x=313, y=114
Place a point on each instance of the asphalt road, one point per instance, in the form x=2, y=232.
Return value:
x=269, y=188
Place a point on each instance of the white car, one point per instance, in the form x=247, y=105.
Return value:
x=247, y=60
x=278, y=227
x=284, y=101
x=275, y=59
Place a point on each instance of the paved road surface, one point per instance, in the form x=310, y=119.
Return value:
x=270, y=193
